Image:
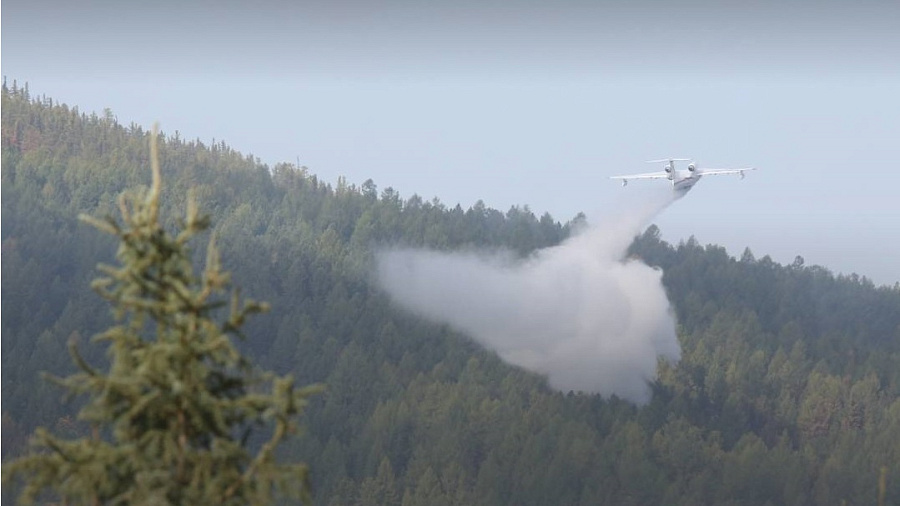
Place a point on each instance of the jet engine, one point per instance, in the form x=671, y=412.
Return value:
x=692, y=167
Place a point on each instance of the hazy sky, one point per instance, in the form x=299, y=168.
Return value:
x=522, y=102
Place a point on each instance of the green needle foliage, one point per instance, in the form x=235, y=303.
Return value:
x=172, y=415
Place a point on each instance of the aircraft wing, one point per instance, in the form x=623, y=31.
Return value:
x=649, y=175
x=719, y=172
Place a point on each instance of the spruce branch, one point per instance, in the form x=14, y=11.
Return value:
x=168, y=412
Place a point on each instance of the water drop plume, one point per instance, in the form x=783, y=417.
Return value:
x=580, y=313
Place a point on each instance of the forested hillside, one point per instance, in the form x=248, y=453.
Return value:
x=788, y=390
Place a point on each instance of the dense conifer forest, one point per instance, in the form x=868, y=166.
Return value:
x=787, y=392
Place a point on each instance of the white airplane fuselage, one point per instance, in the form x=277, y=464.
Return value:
x=683, y=181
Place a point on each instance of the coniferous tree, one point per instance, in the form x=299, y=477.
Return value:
x=172, y=416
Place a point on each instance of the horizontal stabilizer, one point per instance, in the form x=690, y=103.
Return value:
x=669, y=160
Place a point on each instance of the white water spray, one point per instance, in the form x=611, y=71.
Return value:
x=579, y=313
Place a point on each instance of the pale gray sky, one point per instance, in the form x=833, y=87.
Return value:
x=522, y=102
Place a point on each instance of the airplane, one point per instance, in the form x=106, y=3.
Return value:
x=682, y=180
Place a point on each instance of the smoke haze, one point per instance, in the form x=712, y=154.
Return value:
x=579, y=313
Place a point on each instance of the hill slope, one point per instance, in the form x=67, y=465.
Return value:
x=787, y=390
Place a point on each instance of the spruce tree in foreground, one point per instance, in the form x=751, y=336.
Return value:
x=172, y=415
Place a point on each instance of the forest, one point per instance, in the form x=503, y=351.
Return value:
x=787, y=390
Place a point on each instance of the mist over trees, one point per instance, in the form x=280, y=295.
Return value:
x=787, y=391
